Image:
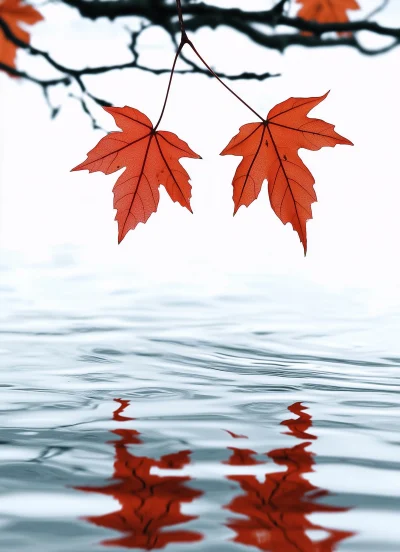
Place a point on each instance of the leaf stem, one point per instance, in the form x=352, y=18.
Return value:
x=181, y=45
x=222, y=82
x=185, y=40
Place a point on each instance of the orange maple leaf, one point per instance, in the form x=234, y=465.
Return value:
x=326, y=11
x=15, y=12
x=270, y=151
x=151, y=158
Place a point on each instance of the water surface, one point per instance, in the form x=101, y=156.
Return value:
x=262, y=415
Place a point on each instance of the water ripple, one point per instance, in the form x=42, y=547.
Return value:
x=144, y=417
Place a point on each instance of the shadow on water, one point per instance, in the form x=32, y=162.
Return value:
x=273, y=513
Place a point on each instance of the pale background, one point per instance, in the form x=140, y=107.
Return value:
x=353, y=237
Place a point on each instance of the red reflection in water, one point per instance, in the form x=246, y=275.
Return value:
x=276, y=510
x=149, y=503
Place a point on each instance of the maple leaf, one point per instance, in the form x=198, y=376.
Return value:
x=15, y=12
x=270, y=151
x=151, y=158
x=326, y=11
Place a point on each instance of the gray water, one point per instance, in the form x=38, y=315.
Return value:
x=262, y=415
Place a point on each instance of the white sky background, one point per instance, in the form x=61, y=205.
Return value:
x=353, y=237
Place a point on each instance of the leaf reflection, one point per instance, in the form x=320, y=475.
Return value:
x=276, y=509
x=149, y=503
x=273, y=513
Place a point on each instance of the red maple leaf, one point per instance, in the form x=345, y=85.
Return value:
x=326, y=11
x=15, y=12
x=151, y=158
x=270, y=151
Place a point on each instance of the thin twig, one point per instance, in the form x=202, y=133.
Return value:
x=378, y=9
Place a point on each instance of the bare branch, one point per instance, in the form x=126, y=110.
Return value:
x=378, y=9
x=201, y=14
x=264, y=28
x=41, y=82
x=70, y=75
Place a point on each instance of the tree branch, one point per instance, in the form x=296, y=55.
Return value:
x=70, y=75
x=255, y=25
x=202, y=14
